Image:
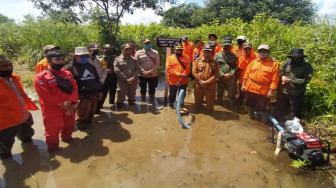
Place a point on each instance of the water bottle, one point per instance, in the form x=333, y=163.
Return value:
x=294, y=125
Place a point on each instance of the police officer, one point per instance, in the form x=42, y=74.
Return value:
x=227, y=74
x=110, y=84
x=206, y=71
x=126, y=69
x=149, y=61
x=295, y=74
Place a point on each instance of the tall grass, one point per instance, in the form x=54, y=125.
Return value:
x=24, y=42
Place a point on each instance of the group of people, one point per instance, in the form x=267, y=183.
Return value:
x=71, y=94
x=249, y=78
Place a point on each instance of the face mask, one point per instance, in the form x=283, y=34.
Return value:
x=240, y=42
x=109, y=52
x=147, y=47
x=297, y=60
x=263, y=54
x=178, y=55
x=94, y=53
x=84, y=60
x=6, y=73
x=56, y=66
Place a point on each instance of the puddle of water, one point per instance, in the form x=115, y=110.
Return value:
x=145, y=146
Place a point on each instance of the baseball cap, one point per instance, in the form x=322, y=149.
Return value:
x=93, y=46
x=264, y=46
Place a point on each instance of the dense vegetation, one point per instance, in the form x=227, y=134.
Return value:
x=24, y=42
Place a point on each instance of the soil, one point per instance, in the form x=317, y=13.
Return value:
x=145, y=146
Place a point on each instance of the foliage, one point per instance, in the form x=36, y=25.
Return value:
x=180, y=16
x=286, y=11
x=4, y=19
x=25, y=42
x=118, y=7
x=299, y=163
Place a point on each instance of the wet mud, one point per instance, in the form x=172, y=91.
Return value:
x=145, y=146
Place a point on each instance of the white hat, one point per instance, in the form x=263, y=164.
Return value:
x=241, y=38
x=264, y=46
x=81, y=51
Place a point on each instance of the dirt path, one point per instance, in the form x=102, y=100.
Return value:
x=145, y=146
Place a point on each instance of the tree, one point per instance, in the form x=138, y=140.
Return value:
x=287, y=11
x=180, y=16
x=114, y=9
x=4, y=19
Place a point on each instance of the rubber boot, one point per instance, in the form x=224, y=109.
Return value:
x=143, y=97
x=264, y=117
x=232, y=105
x=120, y=104
x=250, y=112
x=151, y=98
x=131, y=102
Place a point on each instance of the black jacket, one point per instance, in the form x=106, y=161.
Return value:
x=86, y=77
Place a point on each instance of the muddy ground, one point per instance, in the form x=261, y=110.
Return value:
x=145, y=146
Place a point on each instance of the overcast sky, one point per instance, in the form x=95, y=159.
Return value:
x=17, y=8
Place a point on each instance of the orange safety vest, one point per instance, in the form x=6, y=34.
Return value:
x=262, y=76
x=188, y=49
x=43, y=64
x=174, y=69
x=243, y=62
x=10, y=106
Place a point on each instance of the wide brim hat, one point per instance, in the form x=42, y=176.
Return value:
x=296, y=52
x=50, y=47
x=80, y=51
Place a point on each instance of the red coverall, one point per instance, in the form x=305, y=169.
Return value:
x=55, y=119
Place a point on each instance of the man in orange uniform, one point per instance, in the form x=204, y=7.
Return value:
x=260, y=81
x=178, y=69
x=58, y=101
x=14, y=103
x=43, y=64
x=244, y=60
x=218, y=48
x=239, y=50
x=206, y=71
x=188, y=48
x=198, y=49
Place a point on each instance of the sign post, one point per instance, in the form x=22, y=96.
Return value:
x=167, y=43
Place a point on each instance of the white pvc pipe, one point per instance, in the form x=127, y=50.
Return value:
x=278, y=145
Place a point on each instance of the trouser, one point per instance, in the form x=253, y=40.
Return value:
x=257, y=102
x=110, y=86
x=23, y=131
x=230, y=85
x=284, y=102
x=62, y=125
x=152, y=84
x=124, y=90
x=85, y=110
x=209, y=94
x=241, y=95
x=173, y=89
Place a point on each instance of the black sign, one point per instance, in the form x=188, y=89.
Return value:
x=168, y=42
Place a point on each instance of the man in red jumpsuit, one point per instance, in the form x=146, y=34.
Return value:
x=58, y=98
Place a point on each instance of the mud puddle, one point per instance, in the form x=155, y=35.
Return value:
x=145, y=146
